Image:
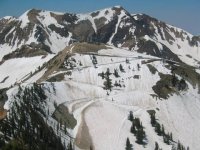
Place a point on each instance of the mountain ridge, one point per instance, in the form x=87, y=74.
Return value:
x=114, y=26
x=101, y=80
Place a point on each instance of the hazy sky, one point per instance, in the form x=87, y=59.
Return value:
x=181, y=13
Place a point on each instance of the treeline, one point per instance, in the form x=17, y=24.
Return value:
x=25, y=128
x=160, y=130
x=167, y=137
x=137, y=129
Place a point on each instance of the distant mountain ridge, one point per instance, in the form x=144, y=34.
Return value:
x=114, y=26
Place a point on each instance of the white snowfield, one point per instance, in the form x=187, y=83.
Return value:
x=14, y=71
x=106, y=115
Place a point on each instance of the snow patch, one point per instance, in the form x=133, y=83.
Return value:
x=24, y=19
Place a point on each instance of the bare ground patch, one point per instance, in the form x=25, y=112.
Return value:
x=83, y=138
x=88, y=47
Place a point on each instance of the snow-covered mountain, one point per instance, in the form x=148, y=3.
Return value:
x=114, y=26
x=95, y=80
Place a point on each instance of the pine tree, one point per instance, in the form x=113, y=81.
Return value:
x=171, y=137
x=158, y=129
x=127, y=61
x=128, y=145
x=94, y=59
x=102, y=75
x=156, y=146
x=108, y=83
x=133, y=130
x=137, y=123
x=153, y=120
x=107, y=74
x=121, y=68
x=140, y=136
x=166, y=139
x=130, y=117
x=116, y=74
x=179, y=146
x=163, y=130
x=138, y=66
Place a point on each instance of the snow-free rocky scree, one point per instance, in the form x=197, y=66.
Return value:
x=102, y=80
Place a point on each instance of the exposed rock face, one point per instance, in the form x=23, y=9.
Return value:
x=28, y=51
x=151, y=48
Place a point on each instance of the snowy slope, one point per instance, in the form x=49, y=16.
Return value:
x=15, y=70
x=106, y=115
x=76, y=81
x=102, y=114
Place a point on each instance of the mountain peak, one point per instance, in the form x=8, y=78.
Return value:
x=8, y=17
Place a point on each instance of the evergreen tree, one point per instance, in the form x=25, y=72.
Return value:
x=32, y=133
x=138, y=66
x=108, y=83
x=127, y=61
x=166, y=139
x=179, y=146
x=140, y=136
x=102, y=75
x=121, y=68
x=156, y=146
x=133, y=130
x=116, y=74
x=137, y=123
x=128, y=145
x=158, y=129
x=153, y=119
x=94, y=59
x=171, y=137
x=130, y=117
x=163, y=130
x=107, y=74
